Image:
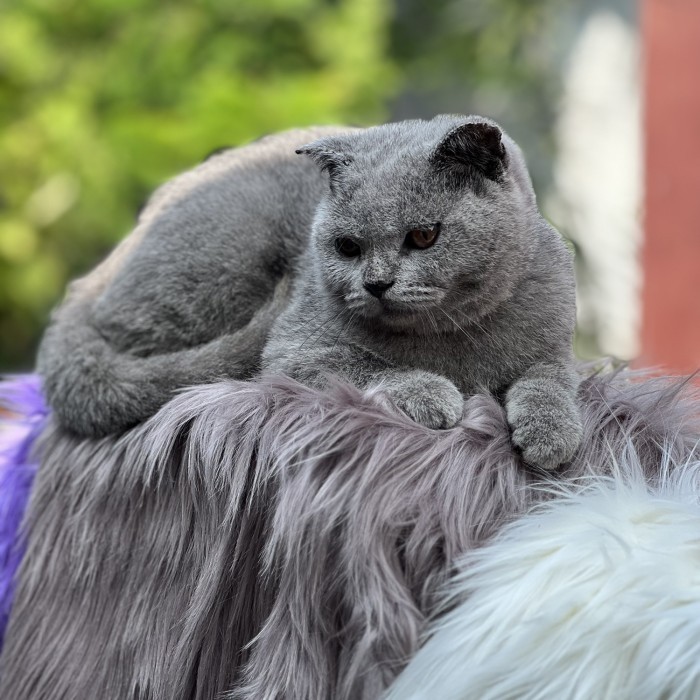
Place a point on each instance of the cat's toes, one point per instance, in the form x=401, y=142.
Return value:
x=547, y=436
x=428, y=399
x=546, y=451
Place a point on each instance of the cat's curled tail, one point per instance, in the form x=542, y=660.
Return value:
x=94, y=390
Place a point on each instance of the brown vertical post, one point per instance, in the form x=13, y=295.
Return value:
x=671, y=257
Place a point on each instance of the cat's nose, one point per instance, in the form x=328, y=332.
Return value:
x=376, y=289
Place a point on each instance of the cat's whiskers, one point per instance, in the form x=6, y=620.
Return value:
x=428, y=316
x=470, y=338
x=480, y=327
x=322, y=328
x=354, y=301
x=342, y=329
x=356, y=307
x=435, y=323
x=493, y=339
x=305, y=325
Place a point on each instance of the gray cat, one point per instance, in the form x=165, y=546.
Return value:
x=418, y=261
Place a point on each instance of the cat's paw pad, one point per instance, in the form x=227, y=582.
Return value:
x=548, y=433
x=426, y=398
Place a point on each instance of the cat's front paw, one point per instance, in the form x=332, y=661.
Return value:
x=427, y=398
x=546, y=425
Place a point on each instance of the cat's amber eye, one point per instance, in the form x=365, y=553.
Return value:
x=422, y=238
x=347, y=247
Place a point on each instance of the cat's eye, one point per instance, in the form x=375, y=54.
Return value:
x=347, y=247
x=422, y=238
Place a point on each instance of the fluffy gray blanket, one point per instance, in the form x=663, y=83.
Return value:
x=271, y=541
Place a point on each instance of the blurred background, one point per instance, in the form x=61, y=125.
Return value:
x=103, y=100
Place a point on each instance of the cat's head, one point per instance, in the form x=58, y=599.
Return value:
x=422, y=220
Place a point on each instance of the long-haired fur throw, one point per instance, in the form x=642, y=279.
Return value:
x=267, y=541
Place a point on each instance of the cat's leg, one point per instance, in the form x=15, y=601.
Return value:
x=544, y=415
x=427, y=398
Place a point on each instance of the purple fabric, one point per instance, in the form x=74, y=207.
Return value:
x=21, y=396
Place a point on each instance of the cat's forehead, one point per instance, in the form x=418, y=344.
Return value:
x=396, y=157
x=412, y=137
x=389, y=172
x=395, y=179
x=403, y=142
x=384, y=207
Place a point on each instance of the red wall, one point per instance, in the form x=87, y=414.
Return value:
x=671, y=256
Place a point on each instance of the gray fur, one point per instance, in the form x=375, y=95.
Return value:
x=189, y=296
x=489, y=307
x=282, y=541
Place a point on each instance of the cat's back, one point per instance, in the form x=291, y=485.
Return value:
x=209, y=246
x=226, y=187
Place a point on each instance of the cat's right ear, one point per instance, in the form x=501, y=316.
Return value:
x=329, y=155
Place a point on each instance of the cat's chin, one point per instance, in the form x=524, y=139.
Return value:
x=396, y=318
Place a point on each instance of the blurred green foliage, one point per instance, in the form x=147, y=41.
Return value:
x=102, y=100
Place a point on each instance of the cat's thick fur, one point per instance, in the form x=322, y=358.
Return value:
x=190, y=296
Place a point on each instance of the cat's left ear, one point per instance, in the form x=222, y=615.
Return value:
x=471, y=150
x=330, y=154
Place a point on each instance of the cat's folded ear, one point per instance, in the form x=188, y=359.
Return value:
x=329, y=154
x=471, y=152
